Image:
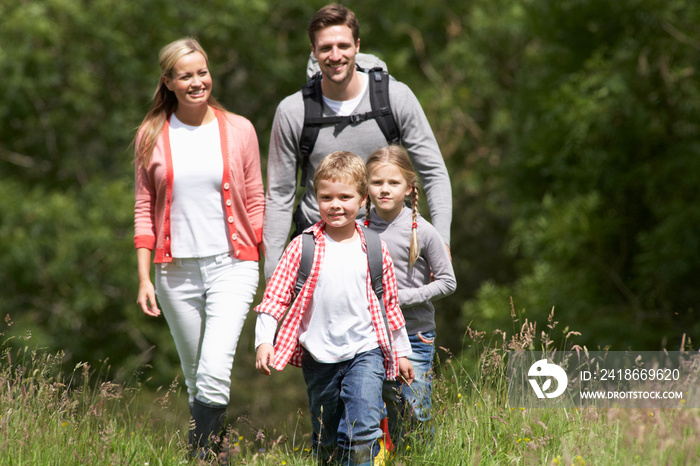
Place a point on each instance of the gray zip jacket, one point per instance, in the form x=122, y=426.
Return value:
x=361, y=139
x=416, y=287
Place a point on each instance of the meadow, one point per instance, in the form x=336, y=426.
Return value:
x=49, y=416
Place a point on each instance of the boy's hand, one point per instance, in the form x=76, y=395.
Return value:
x=265, y=356
x=405, y=370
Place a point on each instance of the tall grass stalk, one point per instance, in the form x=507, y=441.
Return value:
x=48, y=417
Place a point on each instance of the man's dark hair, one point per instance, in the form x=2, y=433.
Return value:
x=333, y=15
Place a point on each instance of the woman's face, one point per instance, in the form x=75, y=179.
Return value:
x=190, y=80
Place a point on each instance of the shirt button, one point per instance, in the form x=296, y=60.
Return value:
x=237, y=253
x=230, y=219
x=226, y=186
x=234, y=237
x=228, y=202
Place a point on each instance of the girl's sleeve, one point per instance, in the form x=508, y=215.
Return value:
x=438, y=259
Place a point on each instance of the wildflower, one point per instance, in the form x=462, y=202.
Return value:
x=651, y=414
x=557, y=459
x=64, y=424
x=526, y=439
x=240, y=437
x=520, y=440
x=408, y=447
x=578, y=460
x=296, y=449
x=459, y=395
x=284, y=462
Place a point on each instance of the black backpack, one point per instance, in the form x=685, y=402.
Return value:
x=314, y=119
x=374, y=259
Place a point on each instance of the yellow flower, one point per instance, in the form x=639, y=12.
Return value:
x=240, y=437
x=459, y=395
x=519, y=440
x=64, y=424
x=527, y=439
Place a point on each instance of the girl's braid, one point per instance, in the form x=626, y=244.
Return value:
x=415, y=248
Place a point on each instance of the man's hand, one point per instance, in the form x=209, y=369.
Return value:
x=265, y=356
x=405, y=370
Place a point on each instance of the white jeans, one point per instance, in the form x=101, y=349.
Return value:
x=205, y=302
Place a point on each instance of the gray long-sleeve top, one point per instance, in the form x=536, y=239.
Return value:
x=361, y=139
x=416, y=288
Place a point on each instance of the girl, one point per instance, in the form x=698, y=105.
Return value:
x=198, y=213
x=423, y=273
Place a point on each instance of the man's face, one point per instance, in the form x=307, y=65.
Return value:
x=335, y=50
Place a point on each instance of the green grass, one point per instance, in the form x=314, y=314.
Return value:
x=49, y=417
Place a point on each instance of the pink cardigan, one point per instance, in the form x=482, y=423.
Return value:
x=242, y=188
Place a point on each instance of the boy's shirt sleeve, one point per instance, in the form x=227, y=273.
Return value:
x=391, y=294
x=279, y=291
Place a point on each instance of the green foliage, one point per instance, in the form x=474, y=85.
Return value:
x=569, y=128
x=602, y=158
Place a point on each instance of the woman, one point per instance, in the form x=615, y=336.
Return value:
x=198, y=211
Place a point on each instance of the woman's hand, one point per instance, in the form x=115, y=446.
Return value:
x=147, y=299
x=147, y=293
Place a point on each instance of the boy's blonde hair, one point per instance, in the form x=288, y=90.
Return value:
x=398, y=156
x=342, y=166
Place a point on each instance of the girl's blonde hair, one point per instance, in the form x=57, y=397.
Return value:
x=164, y=100
x=398, y=156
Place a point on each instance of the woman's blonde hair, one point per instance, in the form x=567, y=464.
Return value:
x=342, y=166
x=164, y=100
x=398, y=156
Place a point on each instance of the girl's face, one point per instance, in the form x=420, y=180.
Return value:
x=190, y=80
x=387, y=190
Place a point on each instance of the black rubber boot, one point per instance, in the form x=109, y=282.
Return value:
x=208, y=422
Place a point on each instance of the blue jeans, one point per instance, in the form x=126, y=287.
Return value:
x=345, y=400
x=411, y=404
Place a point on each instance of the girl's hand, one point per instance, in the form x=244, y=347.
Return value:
x=265, y=356
x=147, y=299
x=406, y=370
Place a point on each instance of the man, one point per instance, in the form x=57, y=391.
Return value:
x=335, y=43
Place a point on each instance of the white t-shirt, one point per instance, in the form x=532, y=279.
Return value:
x=338, y=324
x=197, y=217
x=346, y=107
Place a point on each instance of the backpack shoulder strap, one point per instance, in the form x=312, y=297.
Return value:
x=374, y=258
x=376, y=272
x=313, y=110
x=308, y=245
x=381, y=106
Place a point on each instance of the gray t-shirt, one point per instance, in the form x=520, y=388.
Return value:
x=416, y=287
x=361, y=139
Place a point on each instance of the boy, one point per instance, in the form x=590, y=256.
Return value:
x=335, y=329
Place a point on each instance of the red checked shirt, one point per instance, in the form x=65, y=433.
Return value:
x=279, y=295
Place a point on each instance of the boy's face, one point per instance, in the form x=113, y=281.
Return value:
x=338, y=203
